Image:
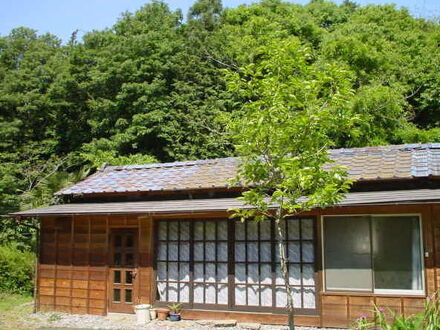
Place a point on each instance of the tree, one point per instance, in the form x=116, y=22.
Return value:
x=151, y=86
x=282, y=133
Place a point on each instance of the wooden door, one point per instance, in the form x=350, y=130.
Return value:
x=123, y=270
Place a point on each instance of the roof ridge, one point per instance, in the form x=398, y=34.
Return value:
x=169, y=164
x=396, y=147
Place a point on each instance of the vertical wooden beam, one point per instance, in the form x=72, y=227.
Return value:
x=428, y=242
x=72, y=231
x=151, y=250
x=89, y=244
x=37, y=268
x=138, y=279
x=435, y=212
x=56, y=263
x=107, y=272
x=319, y=266
x=146, y=271
x=402, y=306
x=231, y=266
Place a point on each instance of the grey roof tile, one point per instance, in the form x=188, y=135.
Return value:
x=221, y=204
x=369, y=163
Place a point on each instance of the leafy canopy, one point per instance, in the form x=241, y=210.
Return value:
x=284, y=128
x=152, y=88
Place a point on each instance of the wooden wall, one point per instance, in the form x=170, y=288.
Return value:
x=73, y=267
x=435, y=276
x=73, y=263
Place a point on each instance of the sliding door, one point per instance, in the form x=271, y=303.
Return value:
x=376, y=253
x=233, y=265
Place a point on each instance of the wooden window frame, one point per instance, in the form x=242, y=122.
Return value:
x=231, y=284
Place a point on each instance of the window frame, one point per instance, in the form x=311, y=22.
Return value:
x=231, y=284
x=374, y=291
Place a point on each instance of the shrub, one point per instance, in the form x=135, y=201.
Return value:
x=16, y=270
x=429, y=319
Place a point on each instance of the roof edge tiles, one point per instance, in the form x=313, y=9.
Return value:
x=392, y=162
x=221, y=204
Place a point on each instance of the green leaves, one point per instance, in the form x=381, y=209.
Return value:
x=152, y=88
x=284, y=129
x=16, y=270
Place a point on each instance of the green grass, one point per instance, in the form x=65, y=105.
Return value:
x=11, y=301
x=14, y=309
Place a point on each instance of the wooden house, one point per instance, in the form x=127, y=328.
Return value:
x=160, y=233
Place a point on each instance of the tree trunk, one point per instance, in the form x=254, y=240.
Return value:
x=280, y=228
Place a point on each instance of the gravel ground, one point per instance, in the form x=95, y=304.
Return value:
x=52, y=320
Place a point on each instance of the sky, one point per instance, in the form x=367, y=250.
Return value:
x=62, y=17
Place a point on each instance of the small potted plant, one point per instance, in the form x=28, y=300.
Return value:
x=175, y=311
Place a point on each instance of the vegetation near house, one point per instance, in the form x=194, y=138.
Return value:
x=274, y=82
x=283, y=134
x=152, y=86
x=16, y=270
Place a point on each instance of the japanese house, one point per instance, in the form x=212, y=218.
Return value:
x=160, y=233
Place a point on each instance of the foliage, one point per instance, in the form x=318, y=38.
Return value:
x=284, y=129
x=429, y=319
x=291, y=111
x=151, y=87
x=175, y=308
x=16, y=270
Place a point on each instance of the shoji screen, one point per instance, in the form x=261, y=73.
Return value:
x=198, y=262
x=211, y=262
x=258, y=276
x=173, y=260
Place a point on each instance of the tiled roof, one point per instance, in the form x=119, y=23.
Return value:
x=370, y=163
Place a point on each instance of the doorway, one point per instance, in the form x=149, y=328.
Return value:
x=123, y=270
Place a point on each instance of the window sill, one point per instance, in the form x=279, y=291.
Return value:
x=398, y=294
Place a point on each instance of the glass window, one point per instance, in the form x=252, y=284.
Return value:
x=347, y=253
x=373, y=253
x=118, y=240
x=117, y=276
x=173, y=252
x=201, y=263
x=129, y=259
x=128, y=296
x=129, y=242
x=117, y=259
x=117, y=295
x=397, y=253
x=128, y=277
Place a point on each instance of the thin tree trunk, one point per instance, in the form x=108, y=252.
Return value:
x=280, y=228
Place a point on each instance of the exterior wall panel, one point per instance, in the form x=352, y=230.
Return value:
x=340, y=309
x=73, y=268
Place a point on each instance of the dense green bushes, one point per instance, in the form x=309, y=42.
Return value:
x=16, y=270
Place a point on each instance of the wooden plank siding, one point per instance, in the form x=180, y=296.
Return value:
x=73, y=267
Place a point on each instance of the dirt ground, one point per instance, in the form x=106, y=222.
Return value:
x=16, y=312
